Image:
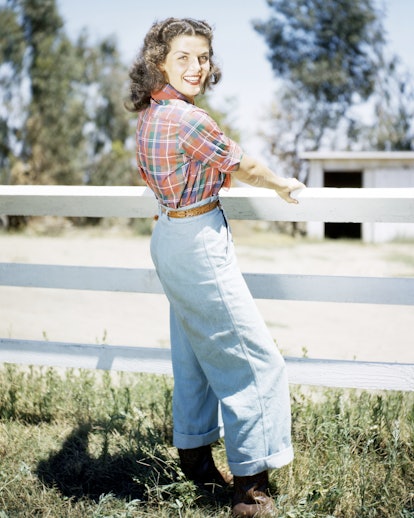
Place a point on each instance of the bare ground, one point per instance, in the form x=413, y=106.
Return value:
x=320, y=330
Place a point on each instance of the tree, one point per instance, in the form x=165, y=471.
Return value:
x=109, y=126
x=54, y=115
x=72, y=123
x=391, y=127
x=327, y=54
x=325, y=46
x=11, y=64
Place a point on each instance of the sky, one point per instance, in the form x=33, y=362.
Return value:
x=238, y=48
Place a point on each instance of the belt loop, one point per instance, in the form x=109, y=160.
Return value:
x=163, y=210
x=157, y=216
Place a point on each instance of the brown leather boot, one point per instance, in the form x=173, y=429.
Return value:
x=198, y=465
x=251, y=496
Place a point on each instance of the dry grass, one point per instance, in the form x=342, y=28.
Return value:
x=81, y=443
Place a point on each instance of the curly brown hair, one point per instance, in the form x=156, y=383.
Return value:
x=145, y=76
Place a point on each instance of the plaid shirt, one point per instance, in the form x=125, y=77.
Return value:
x=181, y=153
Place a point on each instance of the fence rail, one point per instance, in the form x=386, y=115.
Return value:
x=317, y=288
x=329, y=205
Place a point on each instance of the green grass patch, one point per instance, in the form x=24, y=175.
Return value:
x=79, y=443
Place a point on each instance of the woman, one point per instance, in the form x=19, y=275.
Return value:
x=222, y=352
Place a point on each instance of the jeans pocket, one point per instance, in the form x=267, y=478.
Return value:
x=218, y=244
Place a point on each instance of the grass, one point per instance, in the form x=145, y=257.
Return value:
x=80, y=443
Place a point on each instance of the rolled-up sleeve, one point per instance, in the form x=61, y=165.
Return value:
x=201, y=139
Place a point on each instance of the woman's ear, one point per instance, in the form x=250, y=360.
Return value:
x=161, y=68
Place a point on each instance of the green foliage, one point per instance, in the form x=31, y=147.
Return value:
x=392, y=128
x=66, y=123
x=11, y=63
x=12, y=41
x=325, y=46
x=54, y=116
x=355, y=447
x=330, y=58
x=83, y=443
x=110, y=160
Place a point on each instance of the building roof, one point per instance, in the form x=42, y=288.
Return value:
x=395, y=156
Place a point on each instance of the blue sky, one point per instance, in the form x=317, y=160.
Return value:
x=240, y=50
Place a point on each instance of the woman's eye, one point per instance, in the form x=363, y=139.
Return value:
x=203, y=59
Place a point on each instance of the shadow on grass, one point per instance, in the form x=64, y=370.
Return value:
x=78, y=474
x=143, y=473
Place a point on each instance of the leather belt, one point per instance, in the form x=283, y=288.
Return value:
x=188, y=213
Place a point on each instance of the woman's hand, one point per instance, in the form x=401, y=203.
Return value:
x=287, y=186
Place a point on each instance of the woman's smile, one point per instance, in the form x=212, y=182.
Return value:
x=194, y=80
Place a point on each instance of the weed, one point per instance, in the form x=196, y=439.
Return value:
x=79, y=443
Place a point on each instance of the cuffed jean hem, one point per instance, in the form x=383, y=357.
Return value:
x=184, y=441
x=252, y=467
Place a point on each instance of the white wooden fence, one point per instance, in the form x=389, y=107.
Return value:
x=329, y=205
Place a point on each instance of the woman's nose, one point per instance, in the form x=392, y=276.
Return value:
x=195, y=65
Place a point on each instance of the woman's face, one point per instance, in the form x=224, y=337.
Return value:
x=187, y=64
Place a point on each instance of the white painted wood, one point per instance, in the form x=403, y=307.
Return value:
x=351, y=374
x=325, y=288
x=316, y=205
x=136, y=280
x=59, y=200
x=303, y=371
x=329, y=205
x=86, y=356
x=318, y=288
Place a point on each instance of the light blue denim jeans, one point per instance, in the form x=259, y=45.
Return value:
x=224, y=357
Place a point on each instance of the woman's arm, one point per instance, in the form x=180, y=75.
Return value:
x=256, y=174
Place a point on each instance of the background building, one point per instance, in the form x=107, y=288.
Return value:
x=348, y=169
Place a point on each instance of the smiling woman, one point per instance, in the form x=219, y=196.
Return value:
x=176, y=48
x=223, y=355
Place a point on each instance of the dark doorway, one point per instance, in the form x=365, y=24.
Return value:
x=343, y=179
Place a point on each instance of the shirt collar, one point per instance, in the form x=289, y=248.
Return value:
x=168, y=93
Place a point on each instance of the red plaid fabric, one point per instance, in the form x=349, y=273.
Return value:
x=182, y=154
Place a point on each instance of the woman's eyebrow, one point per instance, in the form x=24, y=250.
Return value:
x=203, y=53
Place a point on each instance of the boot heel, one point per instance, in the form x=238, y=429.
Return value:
x=251, y=497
